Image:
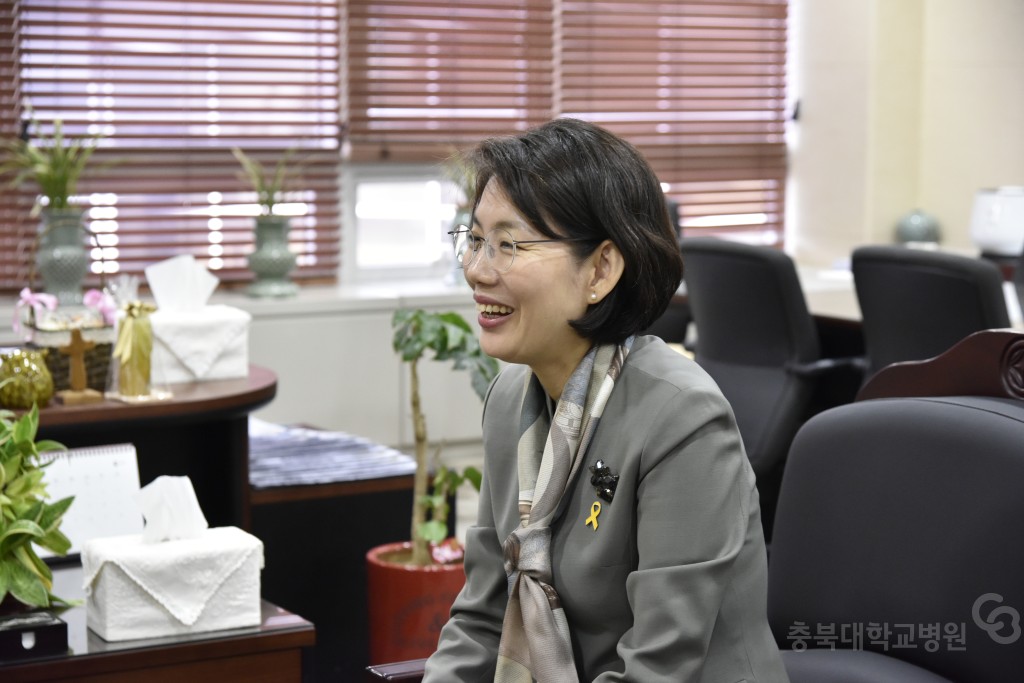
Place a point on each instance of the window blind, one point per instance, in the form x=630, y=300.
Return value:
x=172, y=87
x=15, y=205
x=426, y=77
x=698, y=86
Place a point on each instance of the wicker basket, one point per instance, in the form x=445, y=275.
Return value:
x=97, y=366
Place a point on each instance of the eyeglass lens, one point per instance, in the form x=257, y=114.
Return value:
x=499, y=245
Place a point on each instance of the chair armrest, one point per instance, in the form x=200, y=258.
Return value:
x=411, y=670
x=823, y=365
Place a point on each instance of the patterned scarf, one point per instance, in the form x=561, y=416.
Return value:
x=535, y=634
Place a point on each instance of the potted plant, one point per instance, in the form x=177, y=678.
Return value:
x=409, y=589
x=25, y=516
x=272, y=260
x=55, y=165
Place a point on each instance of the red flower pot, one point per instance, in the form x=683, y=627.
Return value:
x=408, y=605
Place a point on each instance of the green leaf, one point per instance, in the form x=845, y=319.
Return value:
x=25, y=428
x=28, y=558
x=5, y=577
x=55, y=541
x=26, y=586
x=18, y=533
x=47, y=446
x=473, y=476
x=52, y=514
x=431, y=502
x=14, y=465
x=433, y=531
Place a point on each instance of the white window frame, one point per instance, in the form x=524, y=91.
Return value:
x=355, y=173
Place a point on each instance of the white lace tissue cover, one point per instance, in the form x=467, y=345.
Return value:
x=149, y=590
x=208, y=343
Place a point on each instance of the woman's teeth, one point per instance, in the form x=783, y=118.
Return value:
x=493, y=309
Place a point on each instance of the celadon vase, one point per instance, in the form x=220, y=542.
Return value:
x=272, y=260
x=61, y=257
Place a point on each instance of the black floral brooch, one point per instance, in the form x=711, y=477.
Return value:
x=603, y=480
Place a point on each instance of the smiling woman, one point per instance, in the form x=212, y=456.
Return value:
x=570, y=254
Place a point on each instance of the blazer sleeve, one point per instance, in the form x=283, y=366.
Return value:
x=468, y=646
x=693, y=504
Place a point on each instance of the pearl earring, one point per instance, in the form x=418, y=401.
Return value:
x=593, y=296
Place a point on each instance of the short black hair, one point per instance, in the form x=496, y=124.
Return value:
x=593, y=186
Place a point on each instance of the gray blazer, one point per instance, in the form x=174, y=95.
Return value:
x=671, y=586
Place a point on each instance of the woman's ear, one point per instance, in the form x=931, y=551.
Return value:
x=607, y=264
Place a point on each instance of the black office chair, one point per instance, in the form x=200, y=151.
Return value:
x=898, y=537
x=756, y=338
x=916, y=304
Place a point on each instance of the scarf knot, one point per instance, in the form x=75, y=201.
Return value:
x=527, y=552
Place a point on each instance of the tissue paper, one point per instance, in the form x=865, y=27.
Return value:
x=180, y=283
x=171, y=510
x=194, y=341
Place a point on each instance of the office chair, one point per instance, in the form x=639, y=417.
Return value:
x=916, y=304
x=897, y=537
x=757, y=340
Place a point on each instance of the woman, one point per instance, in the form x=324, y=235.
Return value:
x=618, y=535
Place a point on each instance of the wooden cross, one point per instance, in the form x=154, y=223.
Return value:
x=76, y=350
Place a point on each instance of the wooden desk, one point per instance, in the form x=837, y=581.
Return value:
x=202, y=432
x=269, y=653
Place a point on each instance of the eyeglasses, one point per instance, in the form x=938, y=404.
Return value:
x=499, y=246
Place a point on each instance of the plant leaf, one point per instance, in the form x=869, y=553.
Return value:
x=473, y=476
x=18, y=533
x=433, y=531
x=49, y=446
x=28, y=558
x=53, y=513
x=5, y=577
x=55, y=541
x=26, y=586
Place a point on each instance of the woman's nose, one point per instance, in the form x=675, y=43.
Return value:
x=479, y=269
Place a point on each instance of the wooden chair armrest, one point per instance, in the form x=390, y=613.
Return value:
x=986, y=363
x=411, y=670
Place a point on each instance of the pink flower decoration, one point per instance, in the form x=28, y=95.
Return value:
x=104, y=303
x=29, y=299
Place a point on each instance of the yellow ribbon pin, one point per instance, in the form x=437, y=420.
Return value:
x=595, y=510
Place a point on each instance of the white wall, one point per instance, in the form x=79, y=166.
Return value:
x=904, y=104
x=331, y=349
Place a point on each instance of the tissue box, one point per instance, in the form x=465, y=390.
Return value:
x=205, y=344
x=150, y=590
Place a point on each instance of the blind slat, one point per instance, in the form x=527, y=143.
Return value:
x=172, y=87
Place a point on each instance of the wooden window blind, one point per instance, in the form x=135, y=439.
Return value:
x=698, y=86
x=172, y=87
x=425, y=77
x=15, y=206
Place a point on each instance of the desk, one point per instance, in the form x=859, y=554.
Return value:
x=268, y=653
x=202, y=432
x=831, y=294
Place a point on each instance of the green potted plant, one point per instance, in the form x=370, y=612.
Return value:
x=54, y=165
x=26, y=518
x=409, y=591
x=272, y=260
